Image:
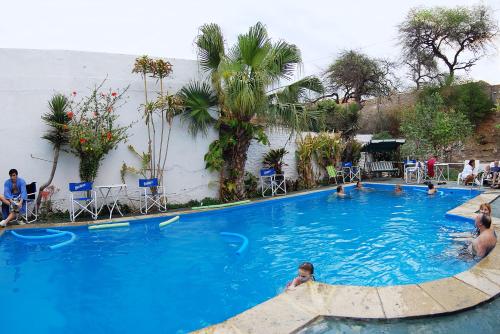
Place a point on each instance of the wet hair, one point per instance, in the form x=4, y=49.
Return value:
x=358, y=184
x=307, y=266
x=487, y=206
x=430, y=186
x=485, y=220
x=471, y=162
x=339, y=188
x=13, y=171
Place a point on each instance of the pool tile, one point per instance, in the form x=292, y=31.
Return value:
x=454, y=294
x=276, y=315
x=222, y=328
x=477, y=279
x=314, y=297
x=355, y=302
x=407, y=301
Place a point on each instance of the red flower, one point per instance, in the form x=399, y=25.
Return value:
x=108, y=135
x=74, y=93
x=83, y=140
x=70, y=114
x=65, y=127
x=113, y=94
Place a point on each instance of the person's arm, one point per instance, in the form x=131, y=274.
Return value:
x=7, y=190
x=294, y=283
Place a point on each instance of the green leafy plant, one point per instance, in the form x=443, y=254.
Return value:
x=237, y=98
x=274, y=159
x=158, y=116
x=57, y=119
x=304, y=155
x=94, y=130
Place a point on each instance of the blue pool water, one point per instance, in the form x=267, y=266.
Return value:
x=186, y=276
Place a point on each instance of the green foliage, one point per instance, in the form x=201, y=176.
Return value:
x=94, y=130
x=57, y=119
x=328, y=149
x=382, y=135
x=352, y=151
x=193, y=203
x=304, y=155
x=240, y=78
x=343, y=118
x=471, y=99
x=274, y=159
x=358, y=76
x=251, y=185
x=430, y=127
x=143, y=157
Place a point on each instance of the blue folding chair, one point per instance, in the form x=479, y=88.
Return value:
x=272, y=182
x=351, y=172
x=82, y=199
x=151, y=195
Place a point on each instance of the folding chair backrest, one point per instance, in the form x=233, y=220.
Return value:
x=407, y=162
x=80, y=186
x=347, y=164
x=331, y=171
x=267, y=172
x=143, y=183
x=31, y=190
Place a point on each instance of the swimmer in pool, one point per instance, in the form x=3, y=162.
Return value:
x=432, y=190
x=306, y=273
x=484, y=208
x=487, y=239
x=397, y=189
x=340, y=191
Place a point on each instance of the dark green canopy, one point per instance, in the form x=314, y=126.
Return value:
x=383, y=145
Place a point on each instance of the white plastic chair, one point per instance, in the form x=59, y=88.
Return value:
x=151, y=194
x=477, y=171
x=82, y=199
x=413, y=170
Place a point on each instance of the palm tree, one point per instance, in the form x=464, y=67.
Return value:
x=57, y=119
x=236, y=99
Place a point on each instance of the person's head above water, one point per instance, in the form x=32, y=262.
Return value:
x=397, y=187
x=483, y=221
x=430, y=186
x=359, y=184
x=306, y=271
x=340, y=189
x=485, y=208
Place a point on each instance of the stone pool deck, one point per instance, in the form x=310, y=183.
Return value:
x=292, y=311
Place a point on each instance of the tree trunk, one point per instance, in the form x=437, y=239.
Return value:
x=236, y=165
x=51, y=177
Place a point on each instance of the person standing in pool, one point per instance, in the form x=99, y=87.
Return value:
x=340, y=191
x=306, y=273
x=397, y=189
x=487, y=238
x=485, y=209
x=432, y=190
x=14, y=196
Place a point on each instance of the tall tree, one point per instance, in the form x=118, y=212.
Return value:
x=237, y=100
x=57, y=119
x=355, y=75
x=458, y=36
x=422, y=66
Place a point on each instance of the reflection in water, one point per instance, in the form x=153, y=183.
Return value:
x=483, y=319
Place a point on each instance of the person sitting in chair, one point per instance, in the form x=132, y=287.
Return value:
x=494, y=170
x=14, y=196
x=468, y=172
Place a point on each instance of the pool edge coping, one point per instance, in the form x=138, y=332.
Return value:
x=292, y=311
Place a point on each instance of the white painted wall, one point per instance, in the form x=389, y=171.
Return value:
x=28, y=78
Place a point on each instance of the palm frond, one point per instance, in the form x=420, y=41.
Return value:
x=57, y=120
x=282, y=60
x=298, y=91
x=210, y=43
x=197, y=99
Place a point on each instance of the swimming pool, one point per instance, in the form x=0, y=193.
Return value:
x=187, y=276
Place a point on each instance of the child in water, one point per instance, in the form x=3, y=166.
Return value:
x=432, y=190
x=397, y=189
x=306, y=273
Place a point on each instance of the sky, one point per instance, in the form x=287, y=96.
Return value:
x=321, y=29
